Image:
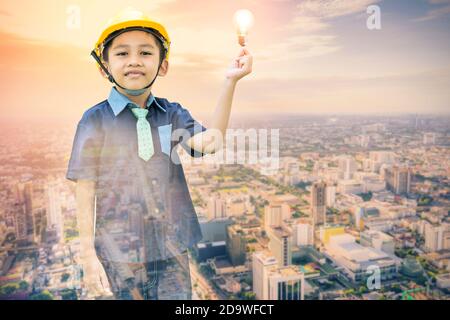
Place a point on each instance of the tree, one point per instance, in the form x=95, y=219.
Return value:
x=424, y=200
x=8, y=289
x=296, y=215
x=65, y=277
x=362, y=290
x=248, y=296
x=44, y=295
x=23, y=285
x=69, y=294
x=366, y=196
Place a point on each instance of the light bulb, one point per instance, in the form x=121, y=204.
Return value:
x=243, y=20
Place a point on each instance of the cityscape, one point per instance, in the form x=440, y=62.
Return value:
x=357, y=208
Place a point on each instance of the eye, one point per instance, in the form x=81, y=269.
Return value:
x=145, y=53
x=121, y=53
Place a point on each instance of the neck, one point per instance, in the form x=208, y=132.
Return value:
x=141, y=100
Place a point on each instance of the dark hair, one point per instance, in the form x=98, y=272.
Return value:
x=112, y=36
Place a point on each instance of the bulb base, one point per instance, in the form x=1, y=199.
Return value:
x=241, y=40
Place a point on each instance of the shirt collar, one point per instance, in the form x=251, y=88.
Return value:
x=118, y=101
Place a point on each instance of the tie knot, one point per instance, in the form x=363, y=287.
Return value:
x=139, y=112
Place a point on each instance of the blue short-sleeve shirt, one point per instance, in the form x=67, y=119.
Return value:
x=144, y=211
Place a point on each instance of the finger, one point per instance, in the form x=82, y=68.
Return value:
x=245, y=50
x=243, y=62
x=242, y=52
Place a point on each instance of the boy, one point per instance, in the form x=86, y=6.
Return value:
x=135, y=214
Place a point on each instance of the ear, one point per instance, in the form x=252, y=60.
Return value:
x=164, y=68
x=101, y=69
x=102, y=73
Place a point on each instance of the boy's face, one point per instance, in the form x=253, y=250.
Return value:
x=133, y=59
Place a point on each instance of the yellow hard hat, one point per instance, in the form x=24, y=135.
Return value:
x=132, y=18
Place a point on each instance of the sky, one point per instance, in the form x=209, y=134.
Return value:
x=310, y=56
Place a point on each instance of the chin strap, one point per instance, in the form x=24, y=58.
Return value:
x=131, y=92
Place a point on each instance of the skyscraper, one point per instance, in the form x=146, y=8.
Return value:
x=286, y=283
x=54, y=214
x=303, y=234
x=318, y=202
x=25, y=220
x=347, y=166
x=398, y=179
x=216, y=208
x=20, y=222
x=275, y=214
x=236, y=244
x=280, y=242
x=435, y=235
x=28, y=202
x=262, y=263
x=271, y=282
x=331, y=195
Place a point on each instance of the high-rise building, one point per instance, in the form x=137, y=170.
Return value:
x=398, y=179
x=303, y=234
x=54, y=214
x=429, y=138
x=217, y=208
x=318, y=202
x=347, y=166
x=330, y=198
x=28, y=202
x=236, y=244
x=359, y=213
x=275, y=214
x=379, y=158
x=214, y=230
x=262, y=263
x=26, y=221
x=280, y=241
x=271, y=282
x=20, y=222
x=286, y=283
x=446, y=239
x=435, y=236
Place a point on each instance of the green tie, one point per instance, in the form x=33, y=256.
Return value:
x=144, y=133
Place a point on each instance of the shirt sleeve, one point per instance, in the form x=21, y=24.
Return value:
x=184, y=120
x=86, y=148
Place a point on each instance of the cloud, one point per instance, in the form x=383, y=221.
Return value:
x=307, y=24
x=437, y=12
x=310, y=26
x=402, y=92
x=332, y=8
x=438, y=1
x=299, y=47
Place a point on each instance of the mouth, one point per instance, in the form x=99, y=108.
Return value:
x=134, y=74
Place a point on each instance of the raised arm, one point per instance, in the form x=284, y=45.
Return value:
x=211, y=140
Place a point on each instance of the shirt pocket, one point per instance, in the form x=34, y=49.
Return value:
x=165, y=134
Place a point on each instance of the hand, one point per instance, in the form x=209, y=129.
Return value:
x=94, y=279
x=240, y=66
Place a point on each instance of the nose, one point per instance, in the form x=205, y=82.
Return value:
x=134, y=59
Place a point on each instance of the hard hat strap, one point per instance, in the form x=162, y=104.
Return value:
x=97, y=58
